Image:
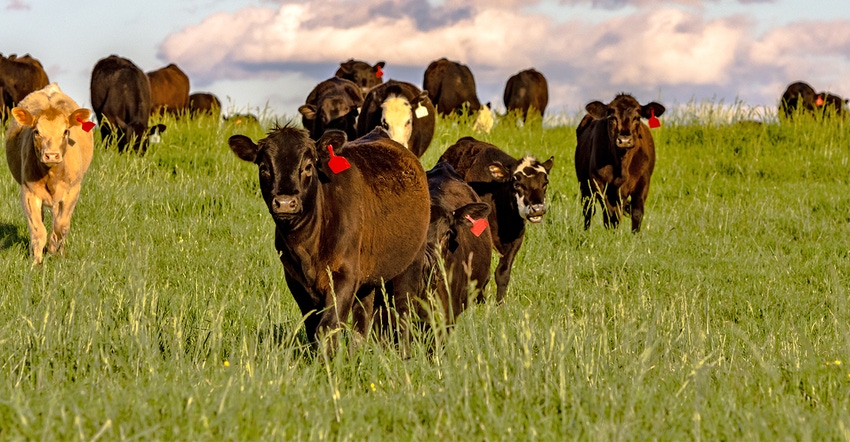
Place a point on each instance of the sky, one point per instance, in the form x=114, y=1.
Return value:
x=257, y=55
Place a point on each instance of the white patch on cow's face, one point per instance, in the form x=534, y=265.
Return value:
x=529, y=162
x=397, y=118
x=521, y=207
x=529, y=185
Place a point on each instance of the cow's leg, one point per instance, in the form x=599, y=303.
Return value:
x=62, y=211
x=339, y=300
x=612, y=206
x=307, y=305
x=38, y=234
x=362, y=310
x=638, y=199
x=503, y=270
x=587, y=203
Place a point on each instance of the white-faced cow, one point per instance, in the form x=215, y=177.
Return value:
x=527, y=90
x=615, y=157
x=121, y=99
x=403, y=110
x=362, y=74
x=340, y=231
x=332, y=104
x=169, y=90
x=514, y=189
x=19, y=76
x=49, y=148
x=451, y=87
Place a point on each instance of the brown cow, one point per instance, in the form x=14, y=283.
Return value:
x=615, y=157
x=340, y=233
x=204, y=103
x=451, y=87
x=169, y=90
x=49, y=151
x=332, y=104
x=527, y=90
x=363, y=75
x=19, y=76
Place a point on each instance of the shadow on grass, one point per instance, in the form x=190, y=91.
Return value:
x=10, y=236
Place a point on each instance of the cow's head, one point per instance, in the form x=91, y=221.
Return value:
x=623, y=115
x=364, y=76
x=51, y=131
x=397, y=114
x=529, y=180
x=288, y=164
x=335, y=111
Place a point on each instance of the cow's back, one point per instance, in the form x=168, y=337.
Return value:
x=470, y=158
x=169, y=89
x=121, y=93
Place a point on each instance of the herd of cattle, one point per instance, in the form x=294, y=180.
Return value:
x=353, y=207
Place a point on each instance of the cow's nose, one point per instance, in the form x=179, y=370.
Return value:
x=286, y=204
x=624, y=140
x=537, y=210
x=51, y=158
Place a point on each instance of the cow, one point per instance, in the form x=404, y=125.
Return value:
x=49, y=149
x=615, y=157
x=514, y=188
x=526, y=90
x=204, y=103
x=121, y=97
x=19, y=76
x=798, y=96
x=169, y=90
x=451, y=87
x=403, y=110
x=831, y=104
x=332, y=104
x=340, y=232
x=364, y=76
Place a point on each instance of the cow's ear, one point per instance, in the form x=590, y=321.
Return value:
x=380, y=64
x=653, y=108
x=22, y=116
x=597, y=110
x=156, y=129
x=473, y=210
x=548, y=164
x=243, y=147
x=336, y=139
x=78, y=117
x=420, y=98
x=308, y=110
x=498, y=172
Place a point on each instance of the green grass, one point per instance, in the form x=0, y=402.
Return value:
x=725, y=318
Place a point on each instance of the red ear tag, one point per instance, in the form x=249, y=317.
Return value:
x=87, y=125
x=337, y=163
x=379, y=73
x=653, y=120
x=819, y=102
x=478, y=225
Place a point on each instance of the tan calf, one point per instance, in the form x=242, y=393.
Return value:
x=48, y=152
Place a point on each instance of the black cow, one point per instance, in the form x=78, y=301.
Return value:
x=527, y=90
x=332, y=104
x=361, y=73
x=514, y=189
x=204, y=103
x=451, y=87
x=831, y=104
x=335, y=253
x=403, y=110
x=19, y=76
x=797, y=95
x=121, y=99
x=615, y=157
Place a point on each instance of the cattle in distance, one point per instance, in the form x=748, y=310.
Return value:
x=19, y=76
x=201, y=103
x=121, y=99
x=332, y=104
x=335, y=253
x=364, y=75
x=403, y=110
x=525, y=91
x=169, y=90
x=615, y=157
x=451, y=87
x=800, y=98
x=514, y=188
x=49, y=149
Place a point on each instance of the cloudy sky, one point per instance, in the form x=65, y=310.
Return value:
x=258, y=53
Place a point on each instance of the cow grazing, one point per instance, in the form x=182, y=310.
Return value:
x=204, y=103
x=362, y=74
x=451, y=87
x=332, y=104
x=121, y=97
x=339, y=235
x=514, y=189
x=49, y=151
x=169, y=90
x=797, y=95
x=19, y=76
x=614, y=158
x=527, y=90
x=403, y=110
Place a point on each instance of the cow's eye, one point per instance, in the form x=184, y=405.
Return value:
x=308, y=169
x=264, y=170
x=518, y=185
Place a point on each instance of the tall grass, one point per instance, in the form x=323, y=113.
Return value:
x=725, y=318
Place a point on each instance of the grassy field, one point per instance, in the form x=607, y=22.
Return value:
x=727, y=317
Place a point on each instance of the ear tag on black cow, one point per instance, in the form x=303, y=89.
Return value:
x=379, y=72
x=87, y=125
x=819, y=102
x=337, y=163
x=421, y=111
x=478, y=225
x=653, y=120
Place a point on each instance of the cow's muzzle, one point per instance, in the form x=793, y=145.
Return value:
x=536, y=212
x=286, y=205
x=51, y=159
x=625, y=141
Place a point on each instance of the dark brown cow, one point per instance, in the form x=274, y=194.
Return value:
x=121, y=97
x=797, y=95
x=332, y=104
x=169, y=90
x=831, y=104
x=451, y=87
x=403, y=110
x=339, y=235
x=514, y=189
x=19, y=76
x=527, y=90
x=204, y=103
x=615, y=157
x=361, y=74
